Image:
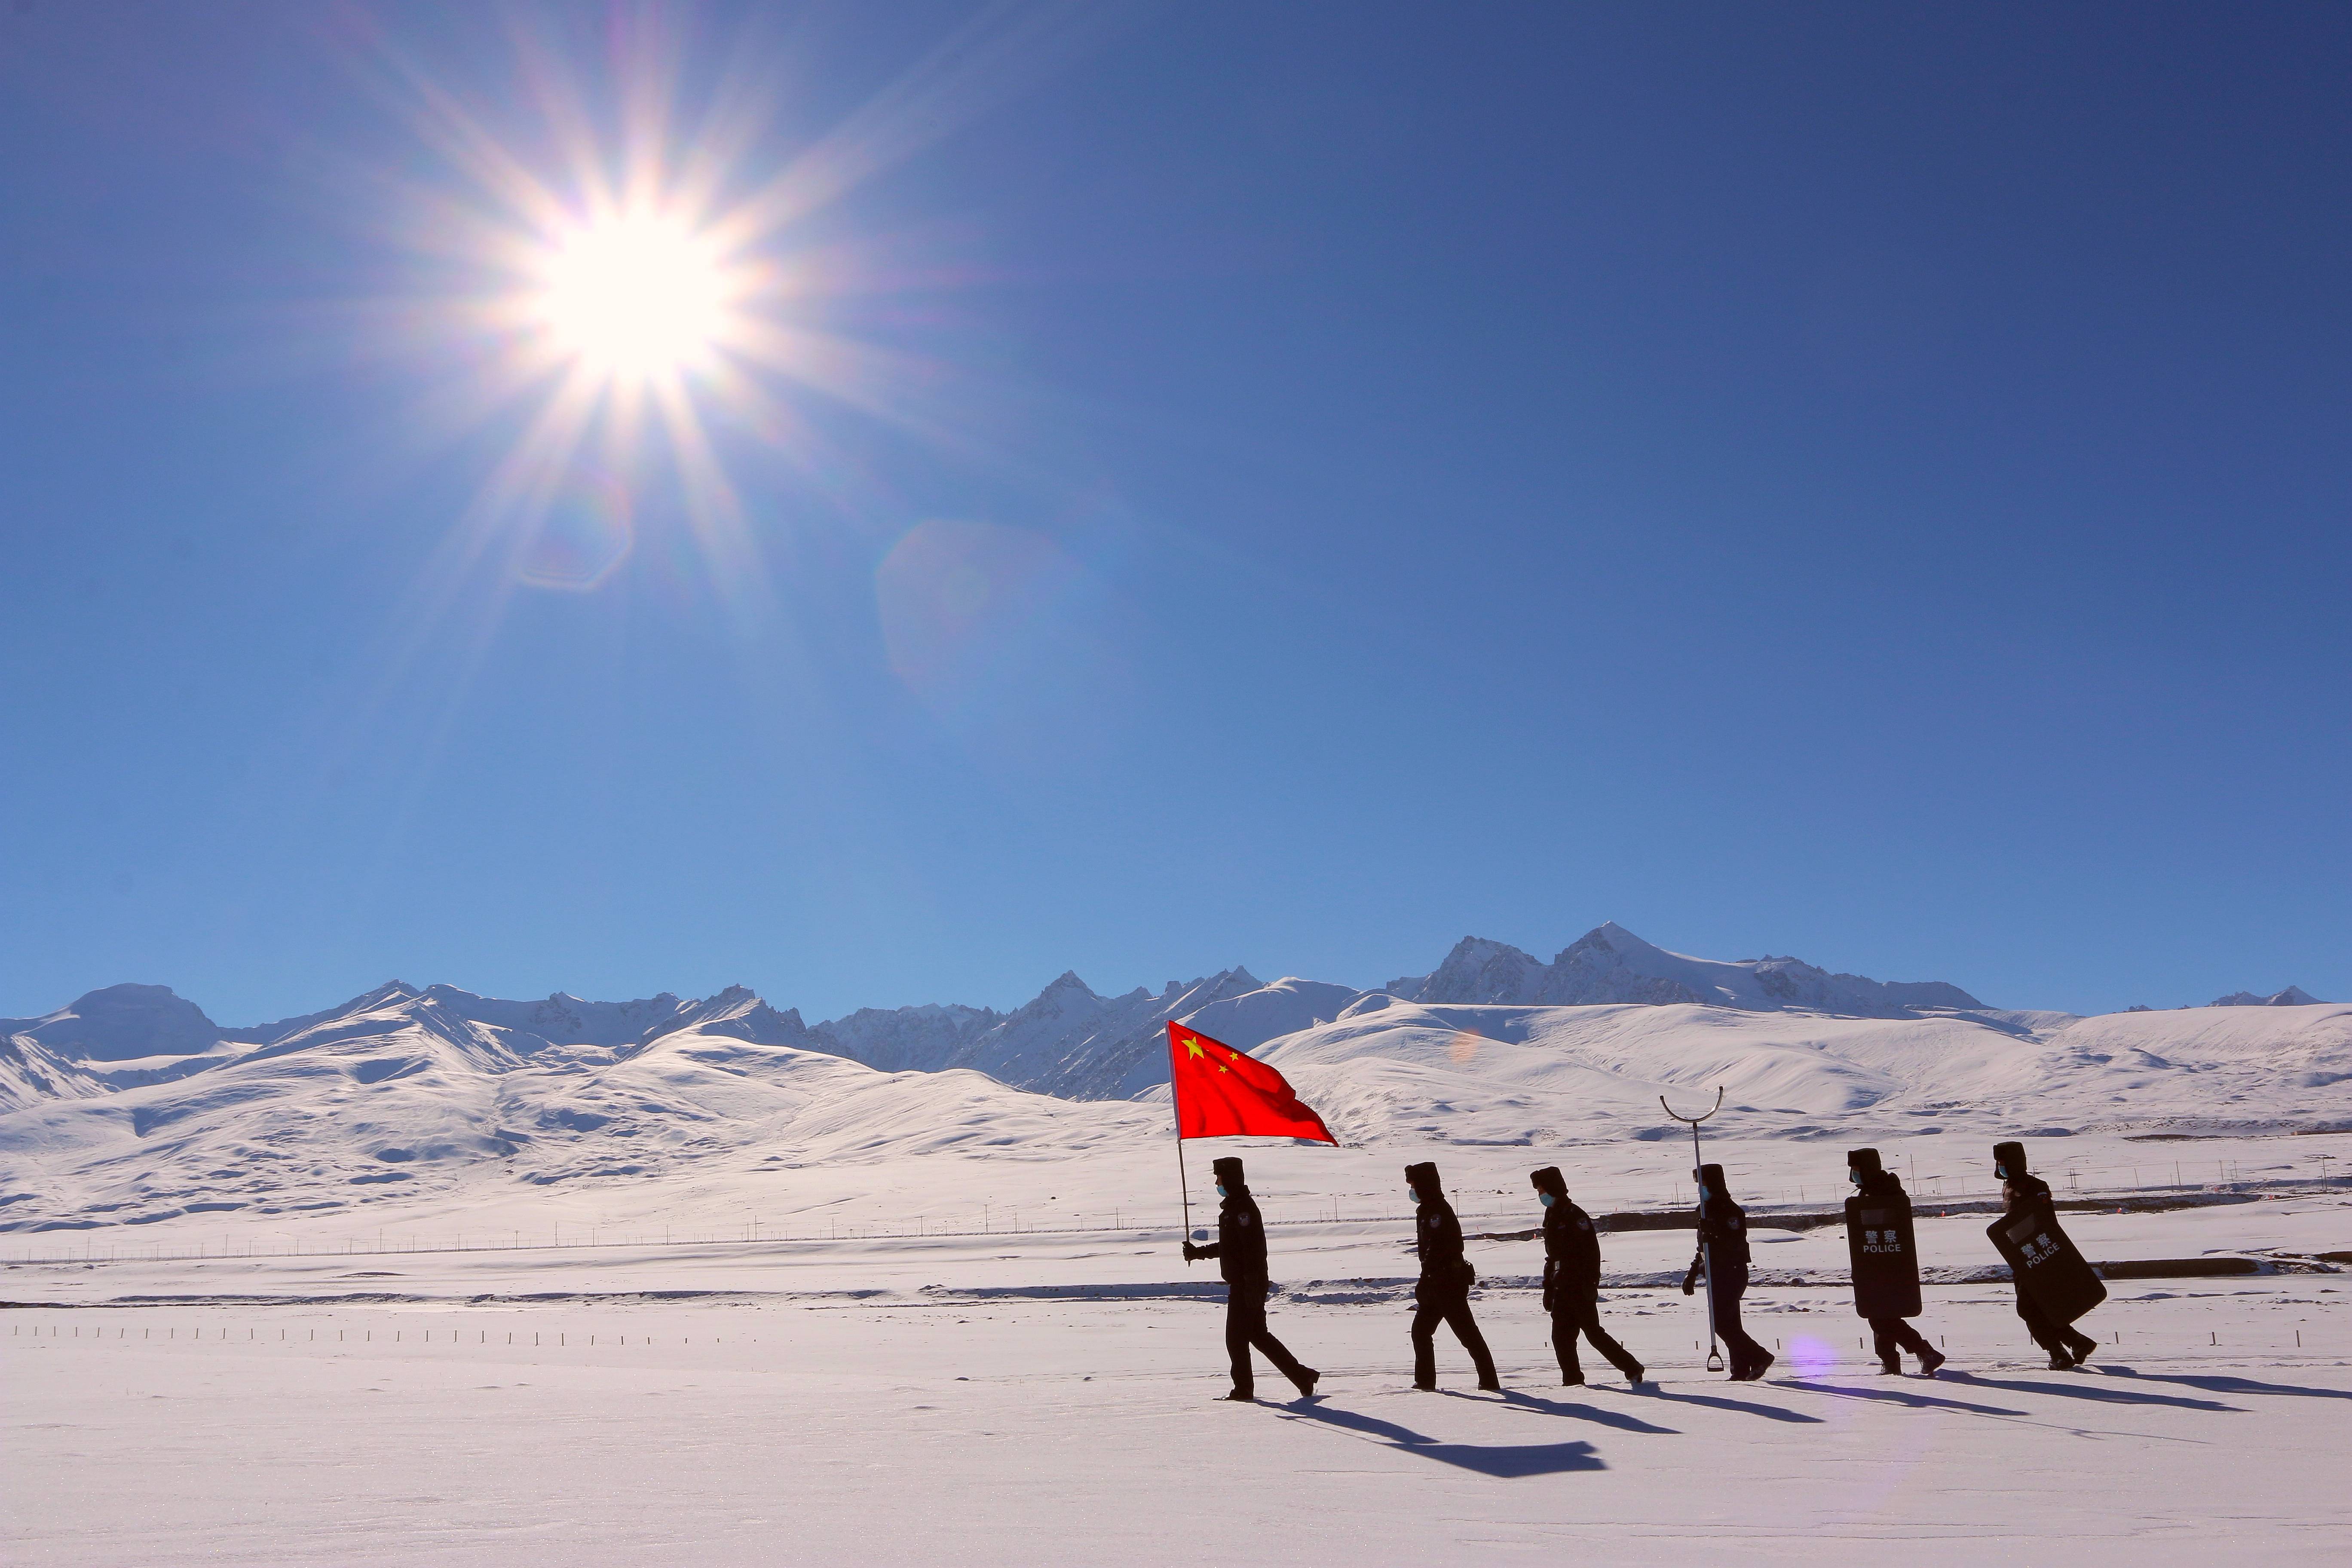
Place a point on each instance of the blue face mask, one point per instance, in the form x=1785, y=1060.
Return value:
x=1703, y=1194
x=1220, y=1190
x=1413, y=1193
x=1548, y=1200
x=2002, y=1171
x=1855, y=1175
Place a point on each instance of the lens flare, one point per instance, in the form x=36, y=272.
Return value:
x=585, y=533
x=1810, y=1357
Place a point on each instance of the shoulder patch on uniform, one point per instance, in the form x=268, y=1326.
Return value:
x=1241, y=1219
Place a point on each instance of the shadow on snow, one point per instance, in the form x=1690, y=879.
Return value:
x=1623, y=1422
x=2091, y=1391
x=1715, y=1401
x=2221, y=1383
x=1903, y=1397
x=1507, y=1461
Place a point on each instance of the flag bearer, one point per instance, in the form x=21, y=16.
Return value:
x=1571, y=1281
x=1240, y=1252
x=1443, y=1294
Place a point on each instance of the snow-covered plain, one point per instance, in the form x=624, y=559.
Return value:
x=838, y=1313
x=1058, y=1424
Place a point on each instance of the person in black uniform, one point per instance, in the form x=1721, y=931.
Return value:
x=1722, y=1257
x=1240, y=1252
x=1889, y=1336
x=2020, y=1195
x=1571, y=1281
x=1443, y=1294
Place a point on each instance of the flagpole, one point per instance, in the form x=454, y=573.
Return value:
x=1183, y=1186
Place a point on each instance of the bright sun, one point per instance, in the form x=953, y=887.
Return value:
x=637, y=296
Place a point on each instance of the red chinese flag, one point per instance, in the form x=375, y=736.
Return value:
x=1221, y=1094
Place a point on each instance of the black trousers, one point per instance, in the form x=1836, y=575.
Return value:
x=1575, y=1313
x=1245, y=1328
x=1889, y=1335
x=1453, y=1309
x=1725, y=1283
x=2058, y=1339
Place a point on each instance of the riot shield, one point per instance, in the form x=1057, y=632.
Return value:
x=2042, y=1257
x=1886, y=1257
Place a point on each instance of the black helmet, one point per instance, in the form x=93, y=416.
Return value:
x=1549, y=1180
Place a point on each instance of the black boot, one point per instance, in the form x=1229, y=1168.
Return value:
x=1307, y=1379
x=1930, y=1360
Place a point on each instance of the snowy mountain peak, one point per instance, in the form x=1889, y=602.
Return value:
x=121, y=1023
x=1610, y=964
x=1067, y=1040
x=2293, y=996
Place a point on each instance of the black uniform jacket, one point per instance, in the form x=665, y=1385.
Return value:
x=1723, y=1232
x=1240, y=1246
x=1437, y=1236
x=1571, y=1252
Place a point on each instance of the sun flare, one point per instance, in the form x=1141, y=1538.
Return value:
x=637, y=296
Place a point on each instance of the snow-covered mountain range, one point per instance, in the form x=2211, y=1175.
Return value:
x=132, y=1106
x=1068, y=1041
x=1609, y=963
x=2293, y=996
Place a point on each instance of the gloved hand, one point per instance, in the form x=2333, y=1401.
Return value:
x=1690, y=1283
x=1547, y=1300
x=1191, y=1253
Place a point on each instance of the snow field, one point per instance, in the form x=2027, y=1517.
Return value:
x=1056, y=1429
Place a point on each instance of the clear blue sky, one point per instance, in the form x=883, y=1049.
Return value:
x=1314, y=481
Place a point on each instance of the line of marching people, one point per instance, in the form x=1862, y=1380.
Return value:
x=2054, y=1285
